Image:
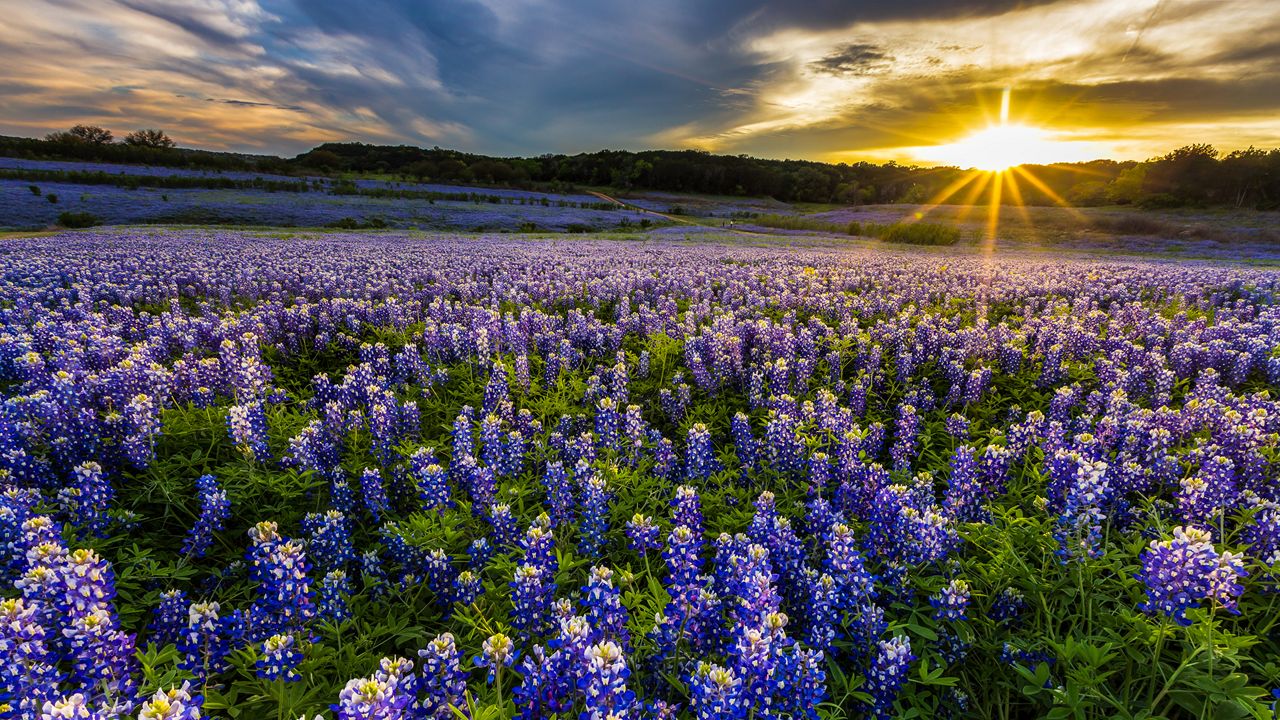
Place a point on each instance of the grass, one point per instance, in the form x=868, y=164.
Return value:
x=914, y=233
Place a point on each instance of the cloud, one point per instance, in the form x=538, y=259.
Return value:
x=854, y=59
x=828, y=79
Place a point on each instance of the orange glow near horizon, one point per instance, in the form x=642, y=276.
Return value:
x=1002, y=145
x=996, y=160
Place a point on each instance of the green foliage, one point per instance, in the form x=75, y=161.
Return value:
x=73, y=220
x=347, y=223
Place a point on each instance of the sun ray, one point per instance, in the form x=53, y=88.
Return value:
x=1042, y=187
x=971, y=200
x=1020, y=205
x=944, y=194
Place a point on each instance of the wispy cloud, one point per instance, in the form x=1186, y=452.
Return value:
x=830, y=79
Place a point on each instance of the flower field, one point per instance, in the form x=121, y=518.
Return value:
x=33, y=193
x=387, y=477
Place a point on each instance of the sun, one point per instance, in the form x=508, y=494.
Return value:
x=1000, y=147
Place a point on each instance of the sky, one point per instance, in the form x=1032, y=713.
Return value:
x=824, y=80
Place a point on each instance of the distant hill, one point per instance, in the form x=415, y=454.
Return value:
x=1193, y=175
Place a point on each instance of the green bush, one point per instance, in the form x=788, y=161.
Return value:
x=52, y=198
x=78, y=220
x=347, y=223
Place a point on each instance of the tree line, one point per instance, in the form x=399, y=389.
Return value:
x=1194, y=175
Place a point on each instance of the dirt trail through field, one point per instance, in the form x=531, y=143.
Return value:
x=673, y=218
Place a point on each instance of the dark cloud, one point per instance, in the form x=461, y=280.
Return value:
x=250, y=103
x=855, y=59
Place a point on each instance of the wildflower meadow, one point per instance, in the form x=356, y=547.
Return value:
x=400, y=477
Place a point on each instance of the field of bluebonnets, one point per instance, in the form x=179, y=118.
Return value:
x=381, y=477
x=35, y=194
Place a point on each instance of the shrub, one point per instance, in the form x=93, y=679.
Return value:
x=52, y=198
x=347, y=223
x=78, y=219
x=35, y=190
x=1130, y=224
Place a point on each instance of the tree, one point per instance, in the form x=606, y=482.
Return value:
x=1127, y=187
x=148, y=138
x=323, y=159
x=91, y=134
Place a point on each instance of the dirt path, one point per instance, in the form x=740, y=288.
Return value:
x=673, y=218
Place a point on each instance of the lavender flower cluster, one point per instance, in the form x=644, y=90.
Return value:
x=803, y=440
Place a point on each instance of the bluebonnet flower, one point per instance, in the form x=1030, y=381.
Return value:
x=595, y=513
x=491, y=441
x=1185, y=570
x=331, y=597
x=172, y=704
x=604, y=686
x=374, y=494
x=664, y=458
x=92, y=496
x=170, y=617
x=75, y=705
x=1262, y=532
x=539, y=546
x=715, y=693
x=803, y=683
x=443, y=683
x=431, y=479
x=1202, y=497
x=643, y=534
x=101, y=655
x=480, y=552
x=887, y=674
x=603, y=603
x=559, y=494
x=965, y=489
x=681, y=556
x=329, y=540
x=743, y=441
x=381, y=696
x=503, y=523
x=279, y=659
x=607, y=422
x=497, y=652
x=497, y=390
x=756, y=662
x=531, y=595
x=279, y=567
x=247, y=427
x=466, y=588
x=28, y=676
x=1079, y=527
x=906, y=439
x=700, y=460
x=952, y=602
x=384, y=430
x=845, y=565
x=688, y=509
x=215, y=508
x=208, y=639
x=821, y=610
x=1008, y=606
x=142, y=416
